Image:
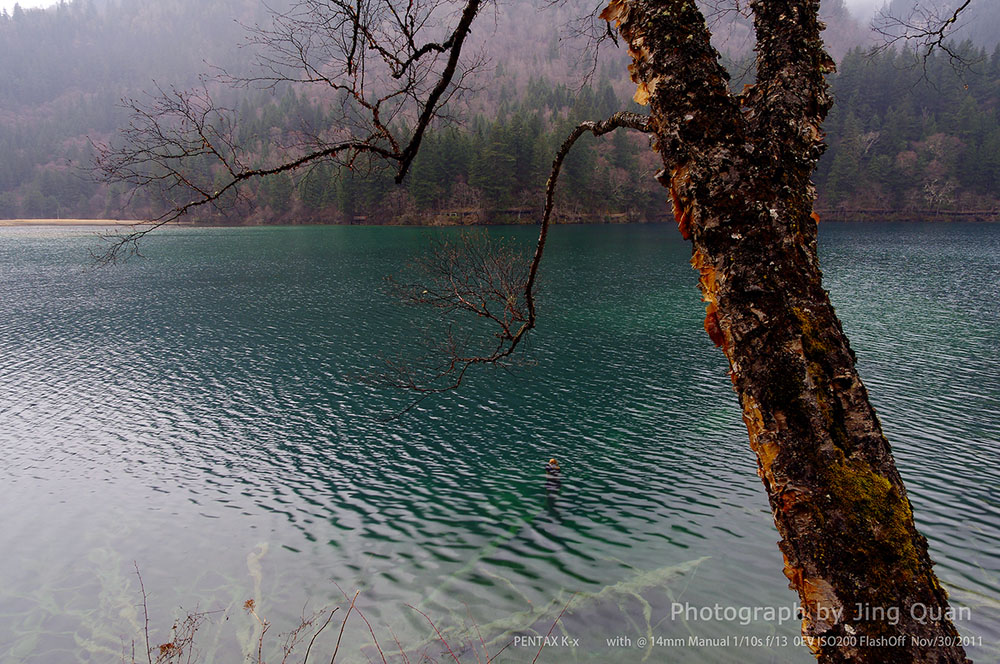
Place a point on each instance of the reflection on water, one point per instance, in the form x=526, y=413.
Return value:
x=195, y=413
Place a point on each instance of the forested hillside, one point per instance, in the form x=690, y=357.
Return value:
x=907, y=137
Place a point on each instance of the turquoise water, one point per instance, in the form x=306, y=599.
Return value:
x=197, y=414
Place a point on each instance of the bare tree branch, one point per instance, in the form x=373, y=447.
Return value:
x=392, y=66
x=928, y=25
x=618, y=120
x=593, y=32
x=461, y=31
x=477, y=284
x=486, y=280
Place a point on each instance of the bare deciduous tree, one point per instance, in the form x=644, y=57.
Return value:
x=391, y=68
x=738, y=170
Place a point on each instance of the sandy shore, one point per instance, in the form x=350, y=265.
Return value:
x=68, y=222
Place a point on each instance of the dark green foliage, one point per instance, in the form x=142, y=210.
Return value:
x=64, y=75
x=909, y=134
x=904, y=135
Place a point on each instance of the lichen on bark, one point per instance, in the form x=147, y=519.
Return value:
x=738, y=169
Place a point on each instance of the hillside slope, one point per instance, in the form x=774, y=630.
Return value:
x=906, y=137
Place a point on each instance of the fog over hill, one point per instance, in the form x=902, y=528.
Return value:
x=67, y=67
x=979, y=22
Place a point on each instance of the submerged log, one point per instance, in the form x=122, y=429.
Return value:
x=495, y=635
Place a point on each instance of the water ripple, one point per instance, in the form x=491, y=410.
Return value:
x=196, y=405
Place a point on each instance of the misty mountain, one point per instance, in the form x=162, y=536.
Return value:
x=66, y=69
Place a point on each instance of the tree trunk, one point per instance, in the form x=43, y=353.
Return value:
x=738, y=169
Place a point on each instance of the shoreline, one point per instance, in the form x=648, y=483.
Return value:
x=69, y=222
x=826, y=216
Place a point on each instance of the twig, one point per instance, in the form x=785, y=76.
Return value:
x=436, y=631
x=362, y=615
x=924, y=25
x=145, y=614
x=344, y=625
x=305, y=660
x=406, y=660
x=554, y=622
x=500, y=651
x=250, y=607
x=479, y=634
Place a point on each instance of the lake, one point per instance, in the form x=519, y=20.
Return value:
x=198, y=415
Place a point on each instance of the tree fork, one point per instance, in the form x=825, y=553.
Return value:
x=738, y=169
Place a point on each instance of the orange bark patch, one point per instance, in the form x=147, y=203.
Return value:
x=793, y=574
x=700, y=263
x=788, y=498
x=821, y=607
x=712, y=325
x=613, y=11
x=708, y=282
x=682, y=212
x=754, y=420
x=642, y=94
x=633, y=72
x=766, y=451
x=683, y=219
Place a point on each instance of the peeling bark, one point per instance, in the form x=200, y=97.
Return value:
x=738, y=168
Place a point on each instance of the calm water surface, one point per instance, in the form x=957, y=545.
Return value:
x=196, y=414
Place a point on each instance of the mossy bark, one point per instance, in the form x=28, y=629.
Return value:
x=738, y=168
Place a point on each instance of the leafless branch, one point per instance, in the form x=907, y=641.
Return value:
x=182, y=633
x=305, y=660
x=363, y=617
x=145, y=614
x=251, y=607
x=430, y=105
x=402, y=653
x=472, y=281
x=391, y=67
x=554, y=623
x=619, y=120
x=436, y=631
x=485, y=282
x=593, y=32
x=343, y=625
x=928, y=24
x=716, y=10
